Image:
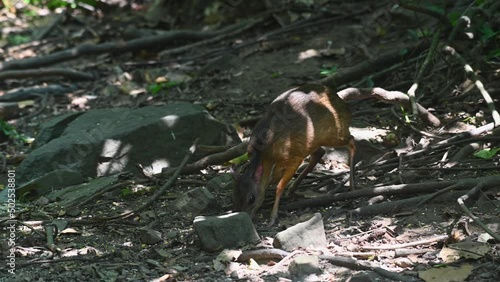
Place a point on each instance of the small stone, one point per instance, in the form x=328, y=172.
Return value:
x=225, y=231
x=304, y=265
x=150, y=236
x=352, y=247
x=404, y=262
x=219, y=183
x=196, y=201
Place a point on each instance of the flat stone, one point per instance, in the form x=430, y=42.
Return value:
x=149, y=236
x=225, y=231
x=306, y=234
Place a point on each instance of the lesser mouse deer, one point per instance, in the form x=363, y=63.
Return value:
x=296, y=125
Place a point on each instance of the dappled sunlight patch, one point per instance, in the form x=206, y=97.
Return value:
x=116, y=156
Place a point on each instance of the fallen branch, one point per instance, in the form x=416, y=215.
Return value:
x=182, y=49
x=64, y=72
x=114, y=47
x=151, y=200
x=165, y=186
x=395, y=206
x=364, y=265
x=393, y=97
x=328, y=200
x=218, y=158
x=406, y=252
x=27, y=93
x=439, y=146
x=470, y=195
x=486, y=182
x=262, y=254
x=472, y=76
x=350, y=263
x=406, y=245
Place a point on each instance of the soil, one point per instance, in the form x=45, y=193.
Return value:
x=235, y=88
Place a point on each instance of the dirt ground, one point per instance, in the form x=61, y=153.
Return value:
x=236, y=87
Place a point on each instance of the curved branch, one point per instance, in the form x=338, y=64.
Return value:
x=392, y=97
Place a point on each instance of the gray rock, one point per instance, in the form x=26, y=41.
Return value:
x=150, y=236
x=305, y=234
x=304, y=265
x=225, y=231
x=73, y=195
x=50, y=182
x=53, y=128
x=196, y=201
x=107, y=141
x=367, y=276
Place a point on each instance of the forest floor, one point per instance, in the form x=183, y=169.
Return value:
x=236, y=86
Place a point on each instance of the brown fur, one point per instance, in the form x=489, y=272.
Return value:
x=297, y=124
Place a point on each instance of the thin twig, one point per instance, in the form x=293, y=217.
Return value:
x=461, y=203
x=406, y=245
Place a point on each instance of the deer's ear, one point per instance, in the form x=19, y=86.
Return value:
x=258, y=172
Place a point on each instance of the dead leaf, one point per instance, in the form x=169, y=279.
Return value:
x=484, y=237
x=225, y=258
x=466, y=249
x=447, y=274
x=253, y=264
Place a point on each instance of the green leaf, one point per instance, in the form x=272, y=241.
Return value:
x=332, y=70
x=11, y=132
x=126, y=192
x=275, y=74
x=169, y=84
x=18, y=39
x=155, y=88
x=494, y=54
x=487, y=153
x=487, y=32
x=241, y=159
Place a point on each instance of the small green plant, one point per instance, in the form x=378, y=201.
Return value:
x=487, y=153
x=11, y=132
x=239, y=160
x=157, y=87
x=125, y=192
x=18, y=39
x=329, y=71
x=487, y=32
x=276, y=74
x=54, y=4
x=406, y=115
x=470, y=120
